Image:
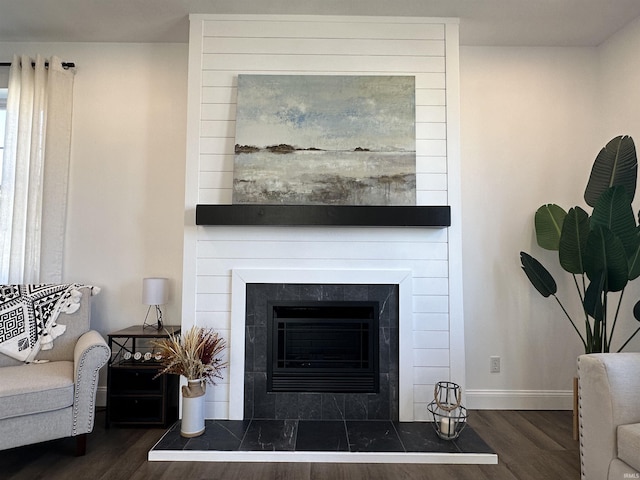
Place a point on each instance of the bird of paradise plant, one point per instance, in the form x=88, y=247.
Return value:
x=601, y=251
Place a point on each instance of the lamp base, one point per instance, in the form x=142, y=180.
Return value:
x=158, y=324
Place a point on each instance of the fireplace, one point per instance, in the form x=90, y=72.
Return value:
x=323, y=347
x=248, y=396
x=426, y=263
x=311, y=354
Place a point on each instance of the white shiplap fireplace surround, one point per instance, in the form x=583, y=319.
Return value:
x=424, y=262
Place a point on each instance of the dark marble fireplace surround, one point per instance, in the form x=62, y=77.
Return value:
x=259, y=404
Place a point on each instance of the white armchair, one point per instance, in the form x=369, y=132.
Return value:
x=609, y=402
x=56, y=399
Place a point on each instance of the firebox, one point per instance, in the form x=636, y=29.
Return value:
x=323, y=347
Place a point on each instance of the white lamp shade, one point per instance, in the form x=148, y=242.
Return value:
x=155, y=291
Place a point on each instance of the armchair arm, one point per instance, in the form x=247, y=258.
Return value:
x=90, y=354
x=608, y=397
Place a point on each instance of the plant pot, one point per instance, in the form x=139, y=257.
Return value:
x=193, y=393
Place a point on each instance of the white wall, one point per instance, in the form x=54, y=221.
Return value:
x=619, y=75
x=528, y=124
x=125, y=212
x=533, y=120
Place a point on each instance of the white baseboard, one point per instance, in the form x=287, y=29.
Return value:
x=101, y=397
x=479, y=399
x=520, y=399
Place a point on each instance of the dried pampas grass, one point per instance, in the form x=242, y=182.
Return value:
x=195, y=354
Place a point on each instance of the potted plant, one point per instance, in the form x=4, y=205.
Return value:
x=601, y=251
x=196, y=355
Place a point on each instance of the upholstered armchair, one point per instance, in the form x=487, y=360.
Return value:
x=609, y=402
x=42, y=401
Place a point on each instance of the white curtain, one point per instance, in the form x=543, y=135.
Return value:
x=33, y=193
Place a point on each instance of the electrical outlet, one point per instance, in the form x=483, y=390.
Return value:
x=494, y=364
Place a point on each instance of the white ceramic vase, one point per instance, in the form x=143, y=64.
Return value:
x=193, y=394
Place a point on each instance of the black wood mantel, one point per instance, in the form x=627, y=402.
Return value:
x=324, y=215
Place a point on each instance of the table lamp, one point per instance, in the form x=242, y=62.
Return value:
x=155, y=292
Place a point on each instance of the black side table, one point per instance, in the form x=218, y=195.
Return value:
x=134, y=396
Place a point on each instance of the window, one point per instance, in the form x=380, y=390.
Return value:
x=3, y=116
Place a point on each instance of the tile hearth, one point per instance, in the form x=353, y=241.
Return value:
x=374, y=441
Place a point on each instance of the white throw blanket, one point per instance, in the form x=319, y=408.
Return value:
x=28, y=316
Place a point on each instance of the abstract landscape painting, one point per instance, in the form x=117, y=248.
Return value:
x=333, y=140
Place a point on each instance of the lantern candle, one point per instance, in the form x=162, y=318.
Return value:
x=447, y=426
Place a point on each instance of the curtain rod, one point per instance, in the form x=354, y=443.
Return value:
x=65, y=65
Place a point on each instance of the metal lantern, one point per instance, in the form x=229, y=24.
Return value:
x=449, y=416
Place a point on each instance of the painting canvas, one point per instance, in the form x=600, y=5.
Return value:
x=329, y=140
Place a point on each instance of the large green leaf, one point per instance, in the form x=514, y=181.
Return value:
x=573, y=240
x=634, y=264
x=613, y=211
x=616, y=164
x=594, y=307
x=539, y=276
x=636, y=311
x=548, y=223
x=593, y=298
x=605, y=255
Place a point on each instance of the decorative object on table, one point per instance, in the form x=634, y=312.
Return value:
x=325, y=139
x=449, y=416
x=155, y=292
x=601, y=251
x=196, y=355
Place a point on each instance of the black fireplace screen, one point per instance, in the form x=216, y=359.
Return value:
x=323, y=347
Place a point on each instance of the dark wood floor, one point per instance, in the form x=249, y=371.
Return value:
x=530, y=445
